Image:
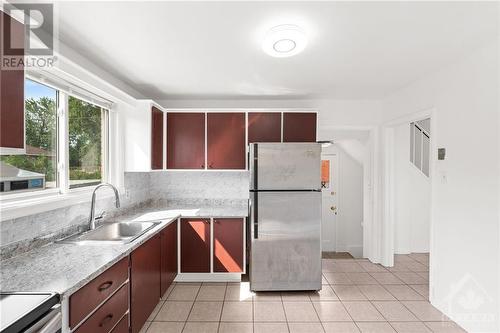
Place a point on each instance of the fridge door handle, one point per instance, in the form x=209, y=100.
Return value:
x=255, y=216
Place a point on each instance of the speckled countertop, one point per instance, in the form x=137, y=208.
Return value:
x=65, y=267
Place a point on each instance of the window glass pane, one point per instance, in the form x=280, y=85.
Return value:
x=418, y=148
x=85, y=143
x=425, y=155
x=37, y=168
x=325, y=174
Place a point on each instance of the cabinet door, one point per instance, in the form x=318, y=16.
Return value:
x=156, y=139
x=226, y=140
x=264, y=127
x=12, y=88
x=144, y=281
x=228, y=245
x=168, y=256
x=299, y=127
x=195, y=245
x=185, y=140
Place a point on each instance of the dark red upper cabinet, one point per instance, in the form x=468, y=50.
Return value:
x=226, y=140
x=12, y=86
x=228, y=245
x=264, y=127
x=156, y=139
x=185, y=140
x=299, y=127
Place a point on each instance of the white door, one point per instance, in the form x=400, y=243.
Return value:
x=329, y=187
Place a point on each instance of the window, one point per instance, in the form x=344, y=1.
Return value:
x=325, y=173
x=420, y=145
x=77, y=134
x=37, y=168
x=85, y=143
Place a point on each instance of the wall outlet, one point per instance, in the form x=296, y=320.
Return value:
x=127, y=193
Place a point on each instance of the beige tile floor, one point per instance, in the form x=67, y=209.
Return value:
x=357, y=297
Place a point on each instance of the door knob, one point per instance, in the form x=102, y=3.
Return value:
x=334, y=208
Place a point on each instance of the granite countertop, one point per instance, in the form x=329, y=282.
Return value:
x=66, y=267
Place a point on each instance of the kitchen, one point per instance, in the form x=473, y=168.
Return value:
x=245, y=184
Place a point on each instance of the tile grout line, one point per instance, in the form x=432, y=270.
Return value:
x=222, y=308
x=284, y=311
x=316, y=311
x=192, y=305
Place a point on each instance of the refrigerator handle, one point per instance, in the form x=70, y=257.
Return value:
x=255, y=216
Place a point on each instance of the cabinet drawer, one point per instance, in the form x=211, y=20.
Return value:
x=103, y=320
x=85, y=300
x=122, y=326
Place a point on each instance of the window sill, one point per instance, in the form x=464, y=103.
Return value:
x=12, y=208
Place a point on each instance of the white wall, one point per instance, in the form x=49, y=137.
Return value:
x=137, y=137
x=465, y=254
x=412, y=198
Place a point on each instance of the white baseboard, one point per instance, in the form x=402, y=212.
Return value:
x=355, y=250
x=208, y=277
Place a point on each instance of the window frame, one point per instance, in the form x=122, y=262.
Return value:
x=414, y=127
x=20, y=199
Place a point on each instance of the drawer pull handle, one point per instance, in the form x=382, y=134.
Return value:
x=105, y=285
x=105, y=320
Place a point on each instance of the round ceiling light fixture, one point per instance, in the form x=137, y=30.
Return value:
x=284, y=41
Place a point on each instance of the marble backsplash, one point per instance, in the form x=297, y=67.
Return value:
x=157, y=189
x=202, y=186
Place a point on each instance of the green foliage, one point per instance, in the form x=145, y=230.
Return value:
x=41, y=123
x=84, y=135
x=80, y=174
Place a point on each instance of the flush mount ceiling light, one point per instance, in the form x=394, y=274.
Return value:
x=284, y=41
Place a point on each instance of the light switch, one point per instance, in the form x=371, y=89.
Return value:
x=441, y=154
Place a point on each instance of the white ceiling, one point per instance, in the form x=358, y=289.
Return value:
x=357, y=50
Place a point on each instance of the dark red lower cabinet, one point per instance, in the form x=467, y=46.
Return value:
x=122, y=326
x=168, y=256
x=144, y=282
x=228, y=245
x=108, y=315
x=195, y=245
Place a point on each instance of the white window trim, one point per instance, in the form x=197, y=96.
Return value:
x=30, y=205
x=14, y=205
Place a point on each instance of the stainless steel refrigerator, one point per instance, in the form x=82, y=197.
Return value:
x=285, y=216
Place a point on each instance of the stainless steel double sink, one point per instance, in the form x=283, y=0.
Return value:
x=118, y=232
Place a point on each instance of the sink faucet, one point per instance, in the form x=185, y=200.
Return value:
x=93, y=218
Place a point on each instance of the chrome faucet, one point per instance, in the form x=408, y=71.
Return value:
x=93, y=218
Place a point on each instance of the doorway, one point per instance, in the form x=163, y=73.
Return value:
x=329, y=198
x=342, y=202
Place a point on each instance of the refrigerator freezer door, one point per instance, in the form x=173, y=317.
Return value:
x=285, y=166
x=285, y=231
